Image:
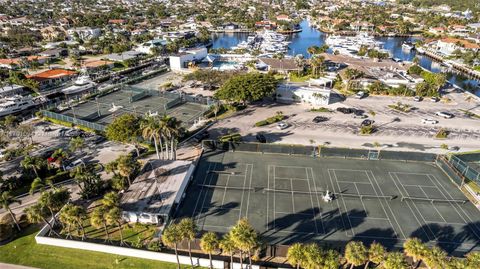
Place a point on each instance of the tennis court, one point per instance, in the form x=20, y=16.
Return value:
x=104, y=109
x=383, y=200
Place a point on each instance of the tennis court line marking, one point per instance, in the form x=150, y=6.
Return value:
x=225, y=190
x=318, y=200
x=201, y=190
x=292, y=178
x=293, y=199
x=243, y=191
x=361, y=200
x=422, y=225
x=250, y=186
x=274, y=208
x=426, y=195
x=339, y=207
x=289, y=213
x=268, y=195
x=311, y=200
x=423, y=186
x=455, y=206
x=353, y=182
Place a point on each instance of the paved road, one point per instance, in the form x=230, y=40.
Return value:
x=14, y=266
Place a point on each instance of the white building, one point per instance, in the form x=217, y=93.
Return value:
x=181, y=60
x=314, y=96
x=84, y=33
x=149, y=45
x=447, y=46
x=154, y=193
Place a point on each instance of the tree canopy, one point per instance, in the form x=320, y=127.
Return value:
x=124, y=128
x=247, y=88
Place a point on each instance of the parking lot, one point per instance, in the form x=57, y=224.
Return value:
x=403, y=130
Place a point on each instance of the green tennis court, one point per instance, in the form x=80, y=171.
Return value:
x=375, y=200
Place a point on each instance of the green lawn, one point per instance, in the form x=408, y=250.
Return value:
x=25, y=251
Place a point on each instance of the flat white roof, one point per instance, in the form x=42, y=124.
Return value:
x=155, y=190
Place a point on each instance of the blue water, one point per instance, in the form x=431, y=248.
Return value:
x=312, y=37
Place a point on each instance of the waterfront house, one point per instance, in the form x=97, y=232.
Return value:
x=362, y=26
x=283, y=66
x=96, y=65
x=149, y=46
x=53, y=77
x=437, y=30
x=126, y=55
x=283, y=17
x=447, y=46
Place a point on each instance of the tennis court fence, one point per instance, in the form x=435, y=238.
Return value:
x=463, y=168
x=319, y=151
x=65, y=118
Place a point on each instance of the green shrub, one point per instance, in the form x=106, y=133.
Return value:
x=320, y=109
x=231, y=138
x=366, y=130
x=274, y=119
x=442, y=134
x=154, y=245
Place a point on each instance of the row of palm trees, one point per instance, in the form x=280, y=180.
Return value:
x=164, y=131
x=311, y=256
x=241, y=239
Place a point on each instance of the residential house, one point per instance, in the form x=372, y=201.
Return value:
x=54, y=53
x=127, y=55
x=447, y=46
x=283, y=17
x=10, y=90
x=51, y=33
x=149, y=46
x=96, y=65
x=84, y=33
x=362, y=26
x=437, y=30
x=284, y=66
x=315, y=96
x=53, y=77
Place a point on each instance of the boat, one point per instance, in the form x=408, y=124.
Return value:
x=82, y=84
x=17, y=103
x=408, y=45
x=350, y=45
x=420, y=50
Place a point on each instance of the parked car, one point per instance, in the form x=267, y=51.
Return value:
x=319, y=119
x=201, y=136
x=75, y=133
x=445, y=115
x=98, y=139
x=74, y=164
x=417, y=98
x=345, y=110
x=360, y=95
x=282, y=125
x=47, y=129
x=434, y=99
x=429, y=121
x=367, y=123
x=261, y=138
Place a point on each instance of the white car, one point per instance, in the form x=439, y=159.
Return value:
x=445, y=115
x=74, y=164
x=429, y=121
x=282, y=125
x=360, y=95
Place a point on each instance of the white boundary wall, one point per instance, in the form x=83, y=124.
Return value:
x=40, y=238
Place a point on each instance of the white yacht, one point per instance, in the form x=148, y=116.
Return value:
x=82, y=84
x=352, y=44
x=408, y=45
x=16, y=103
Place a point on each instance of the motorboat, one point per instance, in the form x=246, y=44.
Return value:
x=408, y=45
x=82, y=84
x=17, y=103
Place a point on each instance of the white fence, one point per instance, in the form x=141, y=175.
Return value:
x=40, y=238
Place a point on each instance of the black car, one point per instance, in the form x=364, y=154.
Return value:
x=319, y=119
x=98, y=139
x=261, y=138
x=345, y=110
x=367, y=122
x=201, y=136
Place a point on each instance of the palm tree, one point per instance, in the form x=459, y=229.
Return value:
x=98, y=220
x=34, y=163
x=355, y=253
x=208, y=244
x=67, y=219
x=395, y=260
x=435, y=258
x=473, y=259
x=313, y=256
x=376, y=254
x=38, y=213
x=414, y=248
x=40, y=184
x=76, y=143
x=174, y=131
x=331, y=259
x=228, y=246
x=188, y=229
x=111, y=200
x=54, y=200
x=151, y=131
x=296, y=255
x=245, y=238
x=73, y=216
x=114, y=216
x=126, y=166
x=6, y=199
x=171, y=237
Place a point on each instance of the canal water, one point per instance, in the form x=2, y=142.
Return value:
x=313, y=37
